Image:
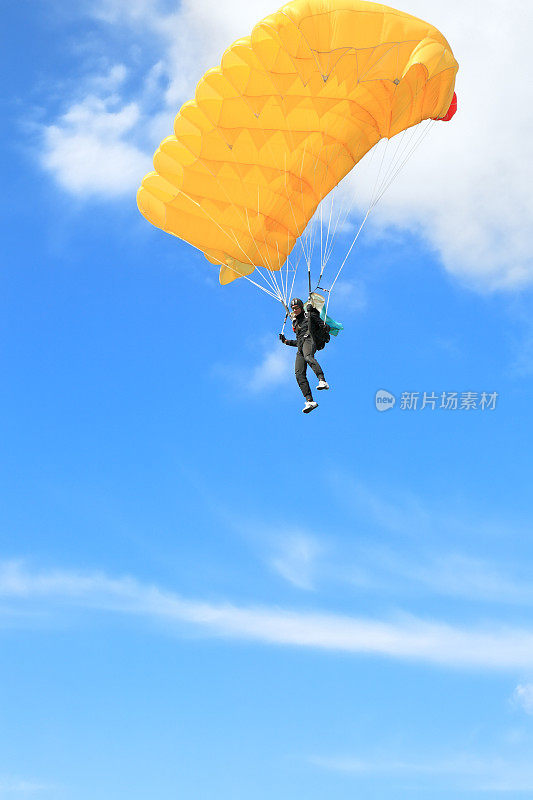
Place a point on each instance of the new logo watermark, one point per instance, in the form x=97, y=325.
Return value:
x=446, y=401
x=384, y=400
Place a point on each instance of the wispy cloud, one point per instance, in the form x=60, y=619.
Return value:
x=449, y=574
x=523, y=697
x=296, y=558
x=425, y=547
x=461, y=772
x=463, y=764
x=402, y=512
x=408, y=513
x=488, y=646
x=18, y=787
x=88, y=151
x=274, y=367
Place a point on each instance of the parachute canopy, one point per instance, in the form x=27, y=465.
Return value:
x=289, y=112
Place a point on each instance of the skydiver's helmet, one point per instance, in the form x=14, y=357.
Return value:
x=296, y=303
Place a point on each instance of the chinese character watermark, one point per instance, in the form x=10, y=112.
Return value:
x=446, y=401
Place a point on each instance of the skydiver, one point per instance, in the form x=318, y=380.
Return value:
x=304, y=325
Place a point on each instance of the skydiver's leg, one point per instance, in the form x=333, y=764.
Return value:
x=309, y=351
x=300, y=370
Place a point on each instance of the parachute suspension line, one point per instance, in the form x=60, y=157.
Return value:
x=309, y=281
x=267, y=291
x=288, y=294
x=269, y=283
x=272, y=272
x=280, y=98
x=311, y=238
x=379, y=189
x=225, y=232
x=321, y=240
x=324, y=134
x=283, y=293
x=292, y=211
x=269, y=146
x=414, y=147
x=331, y=197
x=344, y=209
x=287, y=264
x=325, y=255
x=405, y=141
x=346, y=257
x=267, y=276
x=305, y=237
x=377, y=197
x=257, y=267
x=346, y=206
x=272, y=279
x=399, y=162
x=396, y=165
x=328, y=163
x=361, y=226
x=311, y=234
x=301, y=251
x=313, y=223
x=294, y=275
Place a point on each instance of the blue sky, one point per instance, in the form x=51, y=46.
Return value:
x=203, y=591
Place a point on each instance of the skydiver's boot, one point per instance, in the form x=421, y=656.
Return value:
x=310, y=405
x=322, y=384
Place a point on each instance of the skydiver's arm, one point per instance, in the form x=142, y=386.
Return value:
x=290, y=342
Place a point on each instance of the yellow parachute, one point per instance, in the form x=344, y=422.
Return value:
x=289, y=112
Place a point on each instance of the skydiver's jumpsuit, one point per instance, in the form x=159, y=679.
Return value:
x=306, y=350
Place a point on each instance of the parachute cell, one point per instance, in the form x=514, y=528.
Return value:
x=289, y=112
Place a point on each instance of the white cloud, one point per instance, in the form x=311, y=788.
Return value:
x=464, y=771
x=296, y=558
x=488, y=647
x=111, y=80
x=275, y=368
x=463, y=576
x=349, y=296
x=87, y=149
x=403, y=513
x=448, y=574
x=10, y=787
x=458, y=765
x=426, y=566
x=523, y=697
x=467, y=190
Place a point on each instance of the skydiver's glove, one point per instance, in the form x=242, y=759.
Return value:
x=282, y=338
x=310, y=307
